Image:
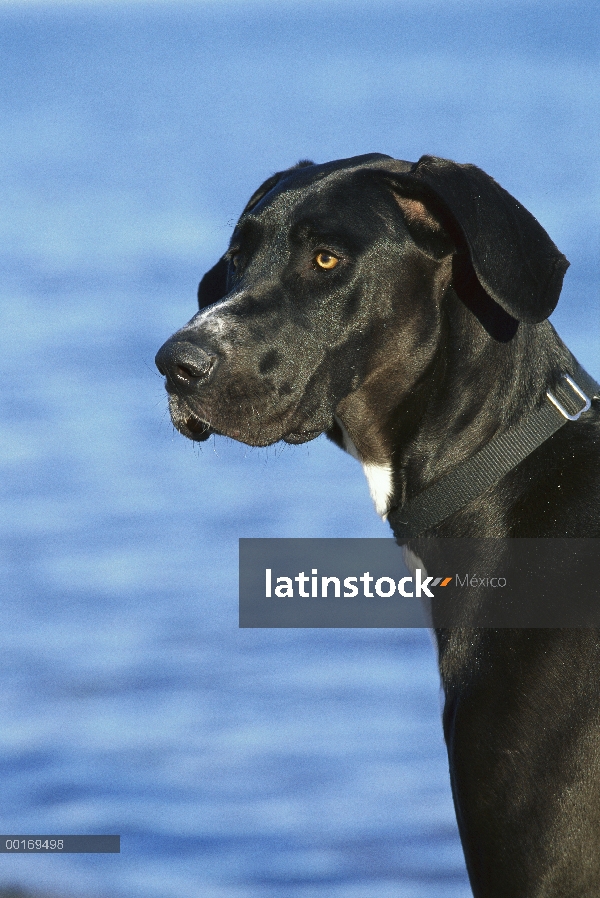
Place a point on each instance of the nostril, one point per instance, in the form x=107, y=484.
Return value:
x=184, y=363
x=180, y=371
x=191, y=369
x=193, y=372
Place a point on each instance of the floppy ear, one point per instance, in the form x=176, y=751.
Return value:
x=213, y=285
x=425, y=226
x=511, y=255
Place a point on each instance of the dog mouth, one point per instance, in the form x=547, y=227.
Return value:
x=190, y=424
x=196, y=429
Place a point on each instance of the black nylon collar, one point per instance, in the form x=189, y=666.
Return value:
x=472, y=477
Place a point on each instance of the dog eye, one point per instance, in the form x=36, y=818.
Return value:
x=326, y=260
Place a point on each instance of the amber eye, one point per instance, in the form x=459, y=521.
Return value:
x=234, y=255
x=326, y=260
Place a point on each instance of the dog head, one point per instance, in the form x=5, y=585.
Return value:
x=335, y=278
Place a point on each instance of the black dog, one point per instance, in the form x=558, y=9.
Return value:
x=401, y=309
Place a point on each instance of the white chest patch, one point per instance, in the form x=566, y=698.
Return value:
x=412, y=561
x=379, y=477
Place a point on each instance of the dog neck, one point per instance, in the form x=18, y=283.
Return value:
x=379, y=474
x=451, y=412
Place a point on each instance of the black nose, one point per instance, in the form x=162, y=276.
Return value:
x=183, y=363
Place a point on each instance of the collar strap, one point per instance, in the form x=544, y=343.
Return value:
x=569, y=400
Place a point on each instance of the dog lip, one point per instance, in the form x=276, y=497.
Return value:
x=189, y=423
x=195, y=424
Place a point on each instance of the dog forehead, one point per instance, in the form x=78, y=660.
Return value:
x=333, y=190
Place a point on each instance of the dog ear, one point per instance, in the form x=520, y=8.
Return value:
x=425, y=226
x=213, y=285
x=511, y=255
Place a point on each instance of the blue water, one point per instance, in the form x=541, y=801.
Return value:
x=235, y=764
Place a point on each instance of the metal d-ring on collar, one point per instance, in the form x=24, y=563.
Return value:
x=586, y=400
x=472, y=477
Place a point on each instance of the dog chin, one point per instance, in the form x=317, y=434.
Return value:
x=195, y=428
x=200, y=431
x=303, y=437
